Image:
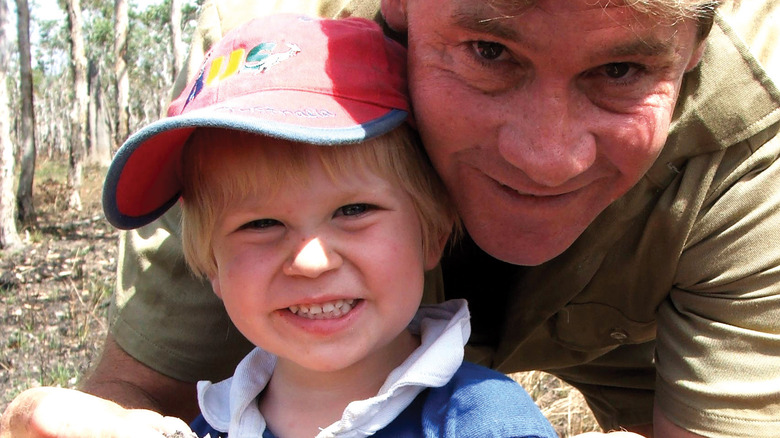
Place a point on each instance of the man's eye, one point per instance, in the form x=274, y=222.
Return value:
x=261, y=224
x=352, y=210
x=617, y=70
x=488, y=50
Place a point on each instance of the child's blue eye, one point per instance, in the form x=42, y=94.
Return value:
x=353, y=209
x=261, y=224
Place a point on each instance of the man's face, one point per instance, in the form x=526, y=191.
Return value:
x=537, y=119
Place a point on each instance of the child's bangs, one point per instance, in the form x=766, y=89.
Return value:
x=237, y=165
x=345, y=162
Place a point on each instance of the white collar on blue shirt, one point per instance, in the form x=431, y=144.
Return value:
x=229, y=405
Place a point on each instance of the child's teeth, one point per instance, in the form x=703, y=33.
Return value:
x=331, y=309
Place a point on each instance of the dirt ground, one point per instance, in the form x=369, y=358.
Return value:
x=54, y=294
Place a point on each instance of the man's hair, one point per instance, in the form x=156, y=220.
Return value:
x=221, y=167
x=703, y=11
x=666, y=11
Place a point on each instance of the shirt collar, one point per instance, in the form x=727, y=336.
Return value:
x=229, y=405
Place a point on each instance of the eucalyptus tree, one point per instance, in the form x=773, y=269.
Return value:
x=78, y=119
x=149, y=65
x=122, y=82
x=177, y=43
x=51, y=84
x=9, y=237
x=26, y=133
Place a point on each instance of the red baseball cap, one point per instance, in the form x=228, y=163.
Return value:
x=298, y=78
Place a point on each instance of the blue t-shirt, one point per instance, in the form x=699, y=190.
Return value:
x=477, y=402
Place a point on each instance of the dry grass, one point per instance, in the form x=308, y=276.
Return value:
x=563, y=405
x=54, y=293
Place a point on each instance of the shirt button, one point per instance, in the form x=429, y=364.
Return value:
x=619, y=335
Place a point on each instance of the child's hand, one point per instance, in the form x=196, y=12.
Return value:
x=56, y=412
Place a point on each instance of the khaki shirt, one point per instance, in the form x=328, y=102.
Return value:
x=672, y=293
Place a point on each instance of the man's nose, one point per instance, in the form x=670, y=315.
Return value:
x=311, y=259
x=546, y=135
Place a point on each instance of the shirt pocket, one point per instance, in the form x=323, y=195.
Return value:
x=596, y=326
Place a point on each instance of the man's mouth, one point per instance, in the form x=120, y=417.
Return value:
x=326, y=310
x=536, y=195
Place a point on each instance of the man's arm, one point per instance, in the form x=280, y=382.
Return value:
x=665, y=428
x=119, y=377
x=57, y=412
x=661, y=427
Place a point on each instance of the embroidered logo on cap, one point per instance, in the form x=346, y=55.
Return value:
x=259, y=59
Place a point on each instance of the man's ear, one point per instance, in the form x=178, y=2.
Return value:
x=394, y=12
x=435, y=250
x=698, y=52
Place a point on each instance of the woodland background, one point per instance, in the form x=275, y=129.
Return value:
x=71, y=89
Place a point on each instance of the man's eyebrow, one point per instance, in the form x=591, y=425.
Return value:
x=481, y=21
x=643, y=47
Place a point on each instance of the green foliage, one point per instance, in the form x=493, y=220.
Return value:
x=149, y=43
x=50, y=54
x=150, y=55
x=104, y=7
x=51, y=169
x=59, y=376
x=100, y=39
x=36, y=235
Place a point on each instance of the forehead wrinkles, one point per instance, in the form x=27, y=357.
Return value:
x=504, y=20
x=485, y=13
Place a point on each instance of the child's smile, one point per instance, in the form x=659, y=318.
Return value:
x=326, y=310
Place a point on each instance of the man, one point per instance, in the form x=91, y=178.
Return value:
x=618, y=179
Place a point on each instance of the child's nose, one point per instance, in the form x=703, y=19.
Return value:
x=312, y=260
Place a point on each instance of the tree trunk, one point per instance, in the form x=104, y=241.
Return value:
x=26, y=137
x=79, y=132
x=9, y=237
x=177, y=45
x=101, y=140
x=120, y=68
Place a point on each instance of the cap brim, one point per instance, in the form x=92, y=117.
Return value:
x=143, y=179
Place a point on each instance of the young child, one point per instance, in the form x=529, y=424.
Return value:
x=310, y=207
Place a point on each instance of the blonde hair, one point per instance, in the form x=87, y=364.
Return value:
x=221, y=167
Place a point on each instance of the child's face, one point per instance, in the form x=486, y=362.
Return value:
x=324, y=275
